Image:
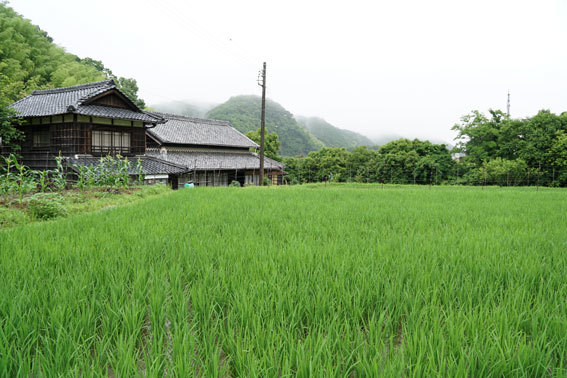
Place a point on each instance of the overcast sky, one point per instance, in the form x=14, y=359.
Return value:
x=410, y=68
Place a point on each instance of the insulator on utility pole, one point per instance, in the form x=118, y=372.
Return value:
x=262, y=122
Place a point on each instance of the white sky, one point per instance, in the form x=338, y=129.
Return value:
x=408, y=67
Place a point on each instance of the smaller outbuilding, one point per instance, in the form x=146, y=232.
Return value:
x=213, y=151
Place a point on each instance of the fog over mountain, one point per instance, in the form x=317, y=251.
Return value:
x=189, y=108
x=331, y=135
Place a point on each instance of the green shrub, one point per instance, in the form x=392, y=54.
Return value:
x=47, y=205
x=235, y=183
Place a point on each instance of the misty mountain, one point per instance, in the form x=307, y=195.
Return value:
x=244, y=114
x=184, y=108
x=331, y=135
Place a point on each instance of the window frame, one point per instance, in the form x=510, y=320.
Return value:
x=41, y=139
x=111, y=141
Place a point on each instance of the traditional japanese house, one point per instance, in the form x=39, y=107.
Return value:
x=214, y=151
x=85, y=122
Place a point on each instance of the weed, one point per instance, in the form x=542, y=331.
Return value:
x=47, y=205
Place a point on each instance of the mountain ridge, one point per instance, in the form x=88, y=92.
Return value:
x=243, y=111
x=300, y=134
x=331, y=135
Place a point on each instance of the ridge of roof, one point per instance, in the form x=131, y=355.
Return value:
x=74, y=87
x=168, y=116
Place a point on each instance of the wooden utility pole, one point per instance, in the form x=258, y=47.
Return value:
x=262, y=122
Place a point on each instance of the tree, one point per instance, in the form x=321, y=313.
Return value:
x=360, y=162
x=559, y=158
x=127, y=85
x=30, y=60
x=9, y=135
x=271, y=143
x=328, y=164
x=405, y=161
x=504, y=172
x=479, y=135
x=536, y=141
x=130, y=88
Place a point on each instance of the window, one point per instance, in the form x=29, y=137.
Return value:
x=41, y=138
x=110, y=142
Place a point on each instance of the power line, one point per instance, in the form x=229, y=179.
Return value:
x=183, y=21
x=193, y=27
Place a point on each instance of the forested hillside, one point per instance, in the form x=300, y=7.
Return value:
x=29, y=59
x=244, y=114
x=333, y=136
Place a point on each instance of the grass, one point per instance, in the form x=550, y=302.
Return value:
x=13, y=214
x=292, y=281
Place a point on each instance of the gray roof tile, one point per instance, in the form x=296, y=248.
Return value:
x=70, y=100
x=119, y=113
x=150, y=165
x=198, y=160
x=196, y=131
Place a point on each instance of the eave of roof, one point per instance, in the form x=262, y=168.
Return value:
x=211, y=160
x=151, y=165
x=75, y=100
x=189, y=131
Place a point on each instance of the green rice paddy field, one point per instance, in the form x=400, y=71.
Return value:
x=345, y=281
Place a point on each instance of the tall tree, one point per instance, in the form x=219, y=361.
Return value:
x=271, y=143
x=535, y=142
x=127, y=85
x=30, y=60
x=9, y=135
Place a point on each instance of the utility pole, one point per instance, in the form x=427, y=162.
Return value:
x=508, y=104
x=262, y=77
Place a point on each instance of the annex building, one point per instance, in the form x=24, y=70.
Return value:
x=213, y=151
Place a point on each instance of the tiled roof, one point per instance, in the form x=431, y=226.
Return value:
x=150, y=165
x=120, y=113
x=71, y=100
x=200, y=160
x=196, y=131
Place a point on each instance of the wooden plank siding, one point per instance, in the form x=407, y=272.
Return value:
x=111, y=100
x=71, y=138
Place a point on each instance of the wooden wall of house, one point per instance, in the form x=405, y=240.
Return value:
x=111, y=100
x=225, y=177
x=72, y=138
x=151, y=143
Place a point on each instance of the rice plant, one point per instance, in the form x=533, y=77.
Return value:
x=343, y=280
